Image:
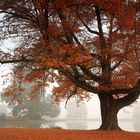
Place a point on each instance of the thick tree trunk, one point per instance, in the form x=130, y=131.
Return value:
x=109, y=111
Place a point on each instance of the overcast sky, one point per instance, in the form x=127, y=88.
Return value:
x=93, y=106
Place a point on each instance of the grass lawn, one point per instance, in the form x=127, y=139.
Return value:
x=58, y=134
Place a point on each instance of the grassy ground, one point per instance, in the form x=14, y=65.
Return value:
x=58, y=134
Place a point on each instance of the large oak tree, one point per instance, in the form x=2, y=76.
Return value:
x=87, y=46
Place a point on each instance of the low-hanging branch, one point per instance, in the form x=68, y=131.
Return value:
x=15, y=61
x=80, y=83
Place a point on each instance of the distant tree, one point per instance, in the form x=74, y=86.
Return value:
x=34, y=109
x=26, y=101
x=3, y=112
x=94, y=45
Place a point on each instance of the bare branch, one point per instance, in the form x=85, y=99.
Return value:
x=86, y=26
x=116, y=65
x=72, y=94
x=14, y=61
x=15, y=14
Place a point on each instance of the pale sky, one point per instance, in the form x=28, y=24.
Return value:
x=93, y=107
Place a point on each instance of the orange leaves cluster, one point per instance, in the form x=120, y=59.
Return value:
x=103, y=88
x=34, y=93
x=26, y=82
x=66, y=88
x=60, y=4
x=41, y=4
x=54, y=31
x=34, y=75
x=76, y=54
x=52, y=55
x=124, y=12
x=72, y=54
x=128, y=22
x=13, y=93
x=70, y=34
x=122, y=82
x=126, y=76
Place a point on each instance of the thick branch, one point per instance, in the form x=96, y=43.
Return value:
x=79, y=83
x=131, y=97
x=90, y=74
x=116, y=65
x=116, y=30
x=76, y=39
x=97, y=11
x=14, y=61
x=63, y=20
x=15, y=14
x=86, y=26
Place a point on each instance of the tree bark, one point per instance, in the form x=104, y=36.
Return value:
x=109, y=111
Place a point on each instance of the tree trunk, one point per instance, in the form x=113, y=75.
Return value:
x=109, y=111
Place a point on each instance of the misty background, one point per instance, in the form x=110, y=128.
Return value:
x=84, y=115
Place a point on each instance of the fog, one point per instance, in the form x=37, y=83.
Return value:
x=129, y=117
x=3, y=110
x=85, y=116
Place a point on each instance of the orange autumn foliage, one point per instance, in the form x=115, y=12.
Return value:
x=85, y=45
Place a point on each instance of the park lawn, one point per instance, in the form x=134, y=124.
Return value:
x=60, y=134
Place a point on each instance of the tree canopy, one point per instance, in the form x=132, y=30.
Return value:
x=93, y=46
